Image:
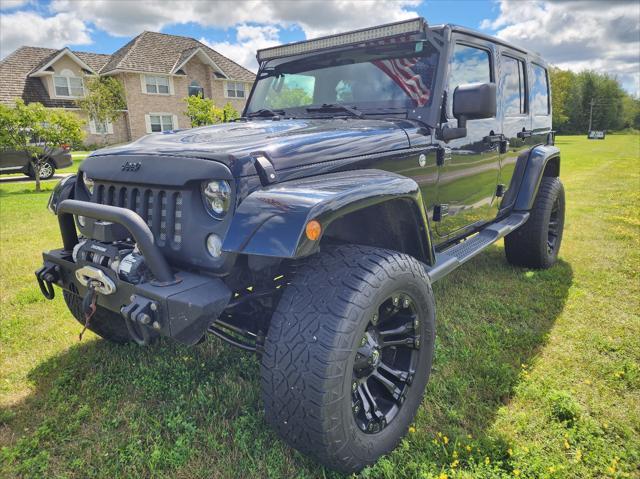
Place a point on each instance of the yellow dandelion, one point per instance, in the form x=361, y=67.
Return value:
x=469, y=448
x=445, y=439
x=435, y=441
x=469, y=436
x=455, y=454
x=525, y=449
x=578, y=455
x=516, y=472
x=443, y=475
x=412, y=430
x=587, y=382
x=566, y=444
x=510, y=451
x=454, y=464
x=439, y=434
x=487, y=461
x=552, y=469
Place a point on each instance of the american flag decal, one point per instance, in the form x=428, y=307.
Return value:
x=406, y=73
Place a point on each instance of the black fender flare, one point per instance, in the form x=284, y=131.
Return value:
x=529, y=170
x=272, y=221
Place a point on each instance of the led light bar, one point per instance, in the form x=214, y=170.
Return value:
x=407, y=27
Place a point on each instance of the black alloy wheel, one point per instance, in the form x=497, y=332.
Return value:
x=385, y=363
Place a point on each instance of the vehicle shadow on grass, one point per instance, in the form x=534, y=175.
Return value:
x=101, y=410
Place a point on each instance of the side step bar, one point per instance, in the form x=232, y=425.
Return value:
x=456, y=255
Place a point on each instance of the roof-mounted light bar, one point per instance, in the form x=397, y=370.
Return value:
x=407, y=27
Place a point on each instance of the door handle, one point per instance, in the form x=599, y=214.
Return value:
x=525, y=134
x=493, y=139
x=500, y=140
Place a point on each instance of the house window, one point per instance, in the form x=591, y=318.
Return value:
x=195, y=89
x=100, y=127
x=68, y=85
x=157, y=85
x=234, y=89
x=158, y=122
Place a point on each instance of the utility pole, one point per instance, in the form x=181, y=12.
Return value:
x=591, y=103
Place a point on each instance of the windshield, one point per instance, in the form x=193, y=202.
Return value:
x=373, y=79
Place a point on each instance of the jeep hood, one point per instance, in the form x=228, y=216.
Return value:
x=287, y=143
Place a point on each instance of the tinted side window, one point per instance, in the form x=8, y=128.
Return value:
x=512, y=82
x=539, y=91
x=468, y=65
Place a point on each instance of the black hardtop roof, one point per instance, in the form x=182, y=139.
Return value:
x=490, y=38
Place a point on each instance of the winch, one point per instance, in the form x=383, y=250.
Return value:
x=121, y=257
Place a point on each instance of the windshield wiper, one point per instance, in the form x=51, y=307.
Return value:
x=335, y=107
x=265, y=112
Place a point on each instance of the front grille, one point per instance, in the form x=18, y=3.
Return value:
x=160, y=208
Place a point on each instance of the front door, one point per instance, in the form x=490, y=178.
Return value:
x=468, y=177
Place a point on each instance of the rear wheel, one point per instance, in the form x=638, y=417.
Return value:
x=104, y=323
x=536, y=244
x=348, y=355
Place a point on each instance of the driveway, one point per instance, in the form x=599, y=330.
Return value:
x=25, y=179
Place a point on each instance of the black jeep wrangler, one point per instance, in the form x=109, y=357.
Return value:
x=367, y=165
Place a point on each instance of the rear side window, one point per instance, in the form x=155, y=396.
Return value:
x=539, y=90
x=468, y=65
x=513, y=84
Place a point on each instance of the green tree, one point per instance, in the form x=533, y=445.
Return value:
x=37, y=131
x=562, y=82
x=104, y=100
x=202, y=111
x=290, y=97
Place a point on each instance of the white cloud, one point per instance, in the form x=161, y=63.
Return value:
x=315, y=17
x=258, y=22
x=577, y=34
x=29, y=28
x=249, y=40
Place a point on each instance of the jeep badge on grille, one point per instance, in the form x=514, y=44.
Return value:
x=131, y=166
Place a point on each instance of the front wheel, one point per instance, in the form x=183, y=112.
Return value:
x=46, y=169
x=536, y=244
x=348, y=355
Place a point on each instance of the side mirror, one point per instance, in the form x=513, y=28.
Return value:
x=472, y=101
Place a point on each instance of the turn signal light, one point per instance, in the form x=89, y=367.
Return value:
x=313, y=230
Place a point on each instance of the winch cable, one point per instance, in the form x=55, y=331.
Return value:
x=88, y=306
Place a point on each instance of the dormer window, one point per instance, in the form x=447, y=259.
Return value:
x=195, y=89
x=68, y=85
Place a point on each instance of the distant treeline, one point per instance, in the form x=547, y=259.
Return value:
x=572, y=93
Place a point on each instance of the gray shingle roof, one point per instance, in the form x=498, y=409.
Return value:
x=160, y=53
x=148, y=52
x=15, y=68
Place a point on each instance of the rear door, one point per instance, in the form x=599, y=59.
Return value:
x=513, y=105
x=467, y=180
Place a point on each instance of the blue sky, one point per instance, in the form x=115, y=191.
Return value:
x=573, y=34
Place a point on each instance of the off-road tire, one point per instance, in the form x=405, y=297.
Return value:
x=311, y=346
x=104, y=323
x=528, y=246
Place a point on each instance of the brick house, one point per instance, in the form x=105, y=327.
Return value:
x=157, y=70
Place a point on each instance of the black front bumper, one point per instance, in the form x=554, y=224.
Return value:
x=178, y=304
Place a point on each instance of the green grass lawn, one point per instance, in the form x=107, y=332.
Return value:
x=536, y=372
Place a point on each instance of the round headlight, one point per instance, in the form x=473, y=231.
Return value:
x=217, y=197
x=214, y=245
x=88, y=182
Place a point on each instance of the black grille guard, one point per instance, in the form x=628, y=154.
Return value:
x=122, y=216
